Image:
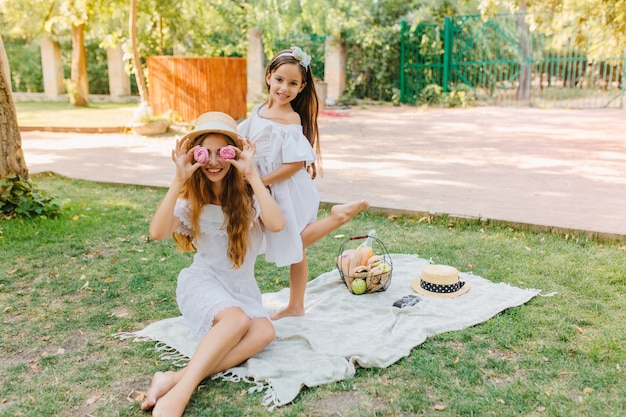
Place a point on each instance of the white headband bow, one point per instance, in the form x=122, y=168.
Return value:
x=303, y=58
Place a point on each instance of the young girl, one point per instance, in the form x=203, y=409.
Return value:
x=284, y=129
x=217, y=207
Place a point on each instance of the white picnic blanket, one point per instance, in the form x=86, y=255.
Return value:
x=341, y=331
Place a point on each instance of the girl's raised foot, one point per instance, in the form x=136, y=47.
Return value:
x=345, y=212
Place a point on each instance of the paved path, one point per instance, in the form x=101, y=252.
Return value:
x=563, y=169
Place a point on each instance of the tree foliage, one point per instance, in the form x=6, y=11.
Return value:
x=369, y=28
x=602, y=23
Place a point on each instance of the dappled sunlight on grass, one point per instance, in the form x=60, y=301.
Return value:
x=68, y=284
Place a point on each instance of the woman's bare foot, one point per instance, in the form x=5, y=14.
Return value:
x=170, y=405
x=288, y=312
x=345, y=212
x=161, y=383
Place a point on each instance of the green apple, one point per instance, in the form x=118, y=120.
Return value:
x=359, y=286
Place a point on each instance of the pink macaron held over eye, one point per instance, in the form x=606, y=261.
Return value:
x=228, y=152
x=201, y=154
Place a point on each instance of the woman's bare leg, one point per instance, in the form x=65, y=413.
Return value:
x=170, y=392
x=162, y=382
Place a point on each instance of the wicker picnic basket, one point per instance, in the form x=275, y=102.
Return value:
x=369, y=261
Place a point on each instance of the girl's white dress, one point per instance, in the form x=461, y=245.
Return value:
x=297, y=196
x=211, y=284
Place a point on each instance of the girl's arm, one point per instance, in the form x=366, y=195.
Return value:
x=283, y=172
x=164, y=223
x=271, y=214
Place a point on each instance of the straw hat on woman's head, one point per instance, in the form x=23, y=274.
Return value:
x=214, y=122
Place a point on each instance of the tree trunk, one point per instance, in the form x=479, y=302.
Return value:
x=11, y=155
x=79, y=88
x=141, y=81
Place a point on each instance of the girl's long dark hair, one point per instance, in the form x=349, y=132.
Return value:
x=306, y=104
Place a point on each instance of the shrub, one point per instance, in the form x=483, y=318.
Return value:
x=431, y=95
x=19, y=197
x=460, y=95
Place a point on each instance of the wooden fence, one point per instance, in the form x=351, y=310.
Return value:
x=190, y=86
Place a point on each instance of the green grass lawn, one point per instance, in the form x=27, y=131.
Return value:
x=62, y=114
x=68, y=284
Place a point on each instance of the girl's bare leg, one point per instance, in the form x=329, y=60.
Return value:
x=340, y=214
x=170, y=392
x=298, y=278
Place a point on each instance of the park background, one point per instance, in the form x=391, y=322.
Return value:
x=69, y=280
x=567, y=54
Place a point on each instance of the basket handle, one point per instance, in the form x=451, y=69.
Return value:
x=357, y=237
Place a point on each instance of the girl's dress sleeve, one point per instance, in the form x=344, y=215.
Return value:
x=182, y=212
x=243, y=128
x=296, y=147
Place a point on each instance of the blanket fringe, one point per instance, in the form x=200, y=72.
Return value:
x=166, y=352
x=124, y=335
x=270, y=400
x=170, y=354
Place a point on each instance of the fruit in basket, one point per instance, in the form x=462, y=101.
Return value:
x=363, y=267
x=359, y=286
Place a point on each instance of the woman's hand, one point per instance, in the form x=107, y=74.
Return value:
x=245, y=158
x=183, y=159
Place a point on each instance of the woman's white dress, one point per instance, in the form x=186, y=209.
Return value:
x=297, y=196
x=211, y=284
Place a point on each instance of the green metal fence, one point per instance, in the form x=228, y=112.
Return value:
x=509, y=61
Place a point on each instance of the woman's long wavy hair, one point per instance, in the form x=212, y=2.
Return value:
x=237, y=205
x=306, y=104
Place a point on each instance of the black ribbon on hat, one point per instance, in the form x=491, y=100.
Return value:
x=442, y=289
